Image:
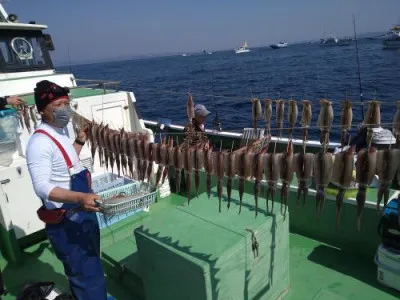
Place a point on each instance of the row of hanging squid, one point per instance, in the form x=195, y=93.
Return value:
x=338, y=168
x=134, y=156
x=27, y=114
x=371, y=120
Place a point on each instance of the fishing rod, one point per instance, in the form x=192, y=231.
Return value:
x=216, y=121
x=358, y=67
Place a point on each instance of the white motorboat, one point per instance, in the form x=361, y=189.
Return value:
x=392, y=41
x=333, y=41
x=242, y=49
x=281, y=44
x=329, y=41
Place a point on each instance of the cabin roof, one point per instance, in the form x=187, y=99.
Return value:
x=21, y=26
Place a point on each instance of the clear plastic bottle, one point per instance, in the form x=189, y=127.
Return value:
x=8, y=136
x=8, y=124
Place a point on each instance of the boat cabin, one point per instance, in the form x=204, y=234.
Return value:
x=23, y=47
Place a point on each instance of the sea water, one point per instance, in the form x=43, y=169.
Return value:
x=225, y=82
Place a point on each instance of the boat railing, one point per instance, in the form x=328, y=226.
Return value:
x=98, y=83
x=236, y=135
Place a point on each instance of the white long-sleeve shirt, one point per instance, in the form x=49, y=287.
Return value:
x=46, y=163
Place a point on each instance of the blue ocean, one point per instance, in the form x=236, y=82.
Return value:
x=225, y=82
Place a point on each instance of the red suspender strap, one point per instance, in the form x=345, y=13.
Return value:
x=64, y=153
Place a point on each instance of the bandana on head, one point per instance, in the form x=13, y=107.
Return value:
x=47, y=91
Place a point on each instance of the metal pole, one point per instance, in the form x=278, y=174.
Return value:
x=358, y=67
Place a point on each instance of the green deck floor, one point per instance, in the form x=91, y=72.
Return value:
x=317, y=270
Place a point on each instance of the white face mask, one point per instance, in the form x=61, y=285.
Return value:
x=62, y=115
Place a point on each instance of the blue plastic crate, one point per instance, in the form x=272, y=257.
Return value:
x=136, y=198
x=128, y=189
x=104, y=222
x=108, y=181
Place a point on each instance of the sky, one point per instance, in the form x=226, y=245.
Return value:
x=95, y=30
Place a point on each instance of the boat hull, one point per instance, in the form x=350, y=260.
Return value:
x=338, y=44
x=335, y=42
x=391, y=44
x=242, y=51
x=277, y=46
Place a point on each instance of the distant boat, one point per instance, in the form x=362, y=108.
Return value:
x=281, y=44
x=344, y=42
x=242, y=49
x=333, y=41
x=392, y=41
x=184, y=54
x=207, y=52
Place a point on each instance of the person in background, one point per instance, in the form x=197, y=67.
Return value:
x=10, y=100
x=195, y=131
x=63, y=185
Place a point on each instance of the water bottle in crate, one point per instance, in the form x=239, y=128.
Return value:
x=124, y=201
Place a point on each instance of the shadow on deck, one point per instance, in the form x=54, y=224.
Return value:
x=349, y=265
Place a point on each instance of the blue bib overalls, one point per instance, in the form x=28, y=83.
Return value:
x=76, y=242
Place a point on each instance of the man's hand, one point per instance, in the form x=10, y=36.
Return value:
x=82, y=134
x=15, y=101
x=206, y=146
x=87, y=201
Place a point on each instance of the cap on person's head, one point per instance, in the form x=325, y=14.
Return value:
x=201, y=110
x=47, y=91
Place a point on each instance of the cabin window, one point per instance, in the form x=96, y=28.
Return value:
x=5, y=55
x=19, y=54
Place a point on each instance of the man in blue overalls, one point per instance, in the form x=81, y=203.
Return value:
x=69, y=204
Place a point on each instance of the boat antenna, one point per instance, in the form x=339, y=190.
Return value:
x=358, y=67
x=69, y=60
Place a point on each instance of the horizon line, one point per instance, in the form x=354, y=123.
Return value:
x=66, y=64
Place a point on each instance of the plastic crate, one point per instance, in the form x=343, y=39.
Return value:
x=108, y=181
x=105, y=222
x=137, y=197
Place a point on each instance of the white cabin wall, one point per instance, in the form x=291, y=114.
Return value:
x=26, y=85
x=19, y=202
x=19, y=75
x=116, y=110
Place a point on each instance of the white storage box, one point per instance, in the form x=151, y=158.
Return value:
x=388, y=263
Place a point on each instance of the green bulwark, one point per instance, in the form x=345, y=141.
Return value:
x=195, y=252
x=75, y=93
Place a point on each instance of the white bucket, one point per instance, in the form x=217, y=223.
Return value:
x=388, y=263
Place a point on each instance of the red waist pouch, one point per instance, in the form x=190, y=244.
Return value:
x=51, y=216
